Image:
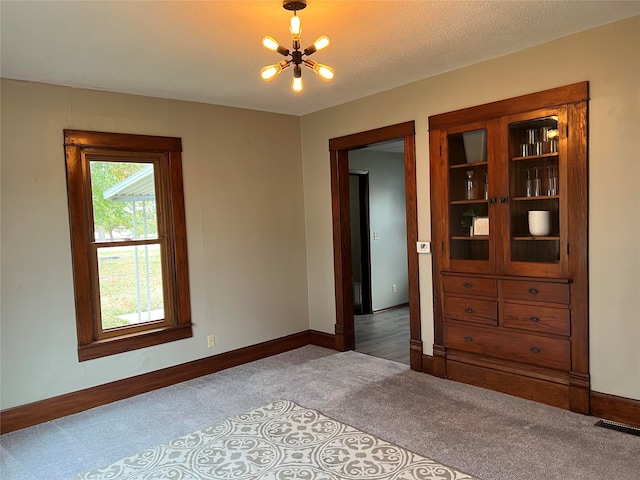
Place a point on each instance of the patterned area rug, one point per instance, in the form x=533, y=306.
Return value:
x=280, y=441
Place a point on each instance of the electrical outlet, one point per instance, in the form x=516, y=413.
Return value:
x=393, y=288
x=211, y=341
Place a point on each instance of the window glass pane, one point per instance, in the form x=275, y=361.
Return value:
x=124, y=201
x=130, y=279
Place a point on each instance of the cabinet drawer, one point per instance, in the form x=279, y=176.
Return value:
x=469, y=285
x=517, y=347
x=536, y=318
x=471, y=309
x=535, y=291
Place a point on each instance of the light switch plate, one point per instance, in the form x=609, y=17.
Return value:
x=424, y=247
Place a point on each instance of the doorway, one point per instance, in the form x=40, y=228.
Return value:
x=360, y=245
x=341, y=215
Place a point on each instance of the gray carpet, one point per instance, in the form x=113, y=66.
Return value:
x=279, y=441
x=483, y=433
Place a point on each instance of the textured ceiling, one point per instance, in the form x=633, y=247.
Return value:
x=211, y=52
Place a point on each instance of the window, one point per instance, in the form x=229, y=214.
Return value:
x=128, y=241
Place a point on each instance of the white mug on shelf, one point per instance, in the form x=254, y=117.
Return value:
x=539, y=222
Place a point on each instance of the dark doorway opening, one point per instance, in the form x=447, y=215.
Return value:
x=360, y=246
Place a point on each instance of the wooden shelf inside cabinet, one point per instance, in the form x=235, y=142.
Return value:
x=470, y=202
x=469, y=237
x=534, y=157
x=529, y=237
x=466, y=166
x=540, y=197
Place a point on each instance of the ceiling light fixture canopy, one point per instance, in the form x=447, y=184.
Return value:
x=297, y=56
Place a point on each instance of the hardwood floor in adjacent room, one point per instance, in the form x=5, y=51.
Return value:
x=384, y=334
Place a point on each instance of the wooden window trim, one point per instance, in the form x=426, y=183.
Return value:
x=77, y=144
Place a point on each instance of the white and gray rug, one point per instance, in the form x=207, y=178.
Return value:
x=280, y=441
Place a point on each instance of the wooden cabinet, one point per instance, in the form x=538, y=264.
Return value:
x=509, y=233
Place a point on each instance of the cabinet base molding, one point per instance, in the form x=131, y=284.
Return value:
x=415, y=355
x=602, y=405
x=553, y=387
x=568, y=390
x=439, y=361
x=528, y=371
x=48, y=409
x=554, y=394
x=427, y=364
x=579, y=400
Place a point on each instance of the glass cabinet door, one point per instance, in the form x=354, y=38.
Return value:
x=536, y=162
x=470, y=248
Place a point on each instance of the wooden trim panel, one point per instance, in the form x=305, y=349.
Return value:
x=31, y=414
x=125, y=140
x=611, y=407
x=362, y=139
x=576, y=92
x=321, y=339
x=344, y=331
x=112, y=346
x=427, y=364
x=614, y=408
x=554, y=394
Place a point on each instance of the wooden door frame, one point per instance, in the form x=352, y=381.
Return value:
x=339, y=157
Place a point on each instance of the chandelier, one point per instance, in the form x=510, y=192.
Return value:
x=297, y=56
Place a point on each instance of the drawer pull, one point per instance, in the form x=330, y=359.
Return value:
x=534, y=319
x=534, y=291
x=468, y=339
x=468, y=310
x=467, y=284
x=535, y=349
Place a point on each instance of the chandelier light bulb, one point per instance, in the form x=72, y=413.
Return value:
x=267, y=73
x=271, y=71
x=321, y=43
x=324, y=71
x=270, y=43
x=295, y=28
x=297, y=85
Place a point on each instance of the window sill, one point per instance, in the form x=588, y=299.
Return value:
x=149, y=338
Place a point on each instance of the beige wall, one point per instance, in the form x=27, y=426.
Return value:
x=245, y=228
x=609, y=58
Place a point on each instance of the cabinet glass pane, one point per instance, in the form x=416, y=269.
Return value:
x=534, y=190
x=468, y=194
